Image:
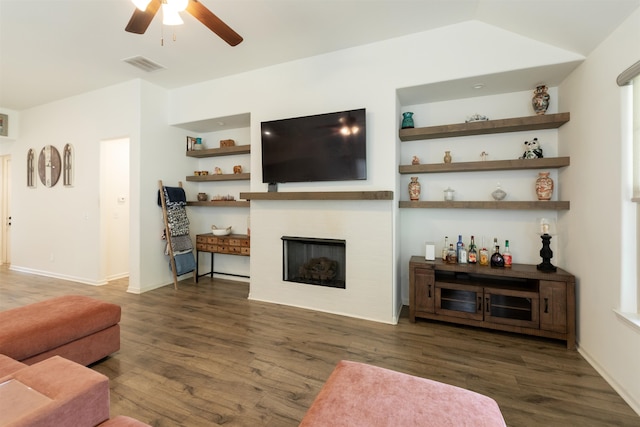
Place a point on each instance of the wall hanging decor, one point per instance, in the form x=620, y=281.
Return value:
x=4, y=125
x=49, y=165
x=67, y=165
x=31, y=169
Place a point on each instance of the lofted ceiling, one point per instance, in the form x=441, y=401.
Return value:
x=53, y=49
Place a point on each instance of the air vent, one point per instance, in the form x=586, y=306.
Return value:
x=144, y=64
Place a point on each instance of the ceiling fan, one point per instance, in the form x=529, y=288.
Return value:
x=146, y=10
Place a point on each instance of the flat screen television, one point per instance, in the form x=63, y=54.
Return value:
x=323, y=147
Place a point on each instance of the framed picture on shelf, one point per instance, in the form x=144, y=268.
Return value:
x=4, y=125
x=191, y=141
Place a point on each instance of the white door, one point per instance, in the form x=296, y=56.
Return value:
x=5, y=210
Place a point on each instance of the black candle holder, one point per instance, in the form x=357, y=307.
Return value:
x=546, y=253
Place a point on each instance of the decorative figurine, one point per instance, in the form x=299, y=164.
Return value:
x=476, y=118
x=217, y=170
x=532, y=150
x=415, y=160
x=237, y=169
x=484, y=155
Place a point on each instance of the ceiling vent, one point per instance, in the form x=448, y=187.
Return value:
x=144, y=64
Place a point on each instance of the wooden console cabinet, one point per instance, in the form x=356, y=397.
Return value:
x=233, y=244
x=519, y=299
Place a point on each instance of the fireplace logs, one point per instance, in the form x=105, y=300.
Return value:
x=323, y=269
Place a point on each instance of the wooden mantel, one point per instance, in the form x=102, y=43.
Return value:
x=319, y=195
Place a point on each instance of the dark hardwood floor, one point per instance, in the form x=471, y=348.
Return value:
x=204, y=355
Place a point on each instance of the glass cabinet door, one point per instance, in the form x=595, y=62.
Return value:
x=463, y=301
x=511, y=307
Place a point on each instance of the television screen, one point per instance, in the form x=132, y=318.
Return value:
x=324, y=147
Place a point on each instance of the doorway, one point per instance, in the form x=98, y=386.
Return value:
x=114, y=207
x=5, y=209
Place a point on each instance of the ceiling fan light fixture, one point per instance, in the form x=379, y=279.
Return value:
x=179, y=5
x=141, y=4
x=170, y=15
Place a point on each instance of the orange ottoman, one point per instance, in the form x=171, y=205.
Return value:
x=76, y=327
x=55, y=392
x=360, y=395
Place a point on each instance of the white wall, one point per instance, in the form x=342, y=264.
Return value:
x=56, y=231
x=600, y=192
x=368, y=77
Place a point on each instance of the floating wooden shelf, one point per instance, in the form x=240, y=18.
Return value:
x=504, y=205
x=222, y=151
x=222, y=203
x=319, y=195
x=221, y=177
x=548, y=121
x=492, y=165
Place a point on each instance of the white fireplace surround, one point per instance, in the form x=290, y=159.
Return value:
x=365, y=224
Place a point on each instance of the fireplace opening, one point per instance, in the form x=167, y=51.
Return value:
x=314, y=261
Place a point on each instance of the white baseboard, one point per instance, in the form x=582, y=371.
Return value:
x=635, y=405
x=57, y=276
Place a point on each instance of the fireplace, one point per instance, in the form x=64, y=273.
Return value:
x=314, y=261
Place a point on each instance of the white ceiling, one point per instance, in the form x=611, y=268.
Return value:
x=52, y=49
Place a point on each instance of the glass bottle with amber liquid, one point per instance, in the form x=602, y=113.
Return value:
x=483, y=255
x=508, y=259
x=445, y=249
x=472, y=256
x=452, y=255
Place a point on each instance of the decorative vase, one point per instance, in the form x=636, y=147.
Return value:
x=447, y=156
x=448, y=194
x=202, y=197
x=544, y=186
x=540, y=100
x=498, y=194
x=407, y=120
x=414, y=188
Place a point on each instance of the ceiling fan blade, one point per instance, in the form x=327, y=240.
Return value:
x=211, y=21
x=140, y=20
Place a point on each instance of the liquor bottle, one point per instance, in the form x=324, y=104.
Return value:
x=445, y=248
x=462, y=255
x=452, y=257
x=507, y=255
x=495, y=245
x=459, y=245
x=472, y=256
x=484, y=254
x=497, y=260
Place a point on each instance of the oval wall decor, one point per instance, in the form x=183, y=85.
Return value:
x=49, y=165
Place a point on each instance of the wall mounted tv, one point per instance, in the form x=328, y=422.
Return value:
x=324, y=147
